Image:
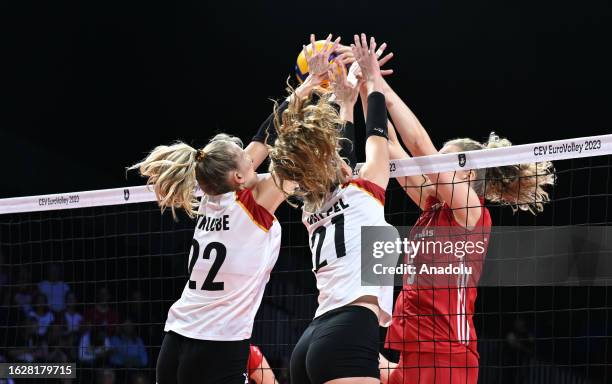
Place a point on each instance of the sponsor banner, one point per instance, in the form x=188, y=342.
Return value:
x=517, y=154
x=489, y=257
x=97, y=198
x=102, y=197
x=84, y=199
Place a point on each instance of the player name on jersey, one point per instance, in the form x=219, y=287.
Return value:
x=338, y=206
x=210, y=224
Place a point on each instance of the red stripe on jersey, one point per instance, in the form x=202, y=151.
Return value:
x=375, y=190
x=256, y=212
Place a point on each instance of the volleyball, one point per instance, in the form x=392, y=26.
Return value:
x=301, y=66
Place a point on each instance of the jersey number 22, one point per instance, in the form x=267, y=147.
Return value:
x=220, y=253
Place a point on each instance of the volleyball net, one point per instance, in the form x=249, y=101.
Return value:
x=88, y=277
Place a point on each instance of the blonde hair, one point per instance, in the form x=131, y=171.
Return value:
x=521, y=186
x=307, y=148
x=175, y=170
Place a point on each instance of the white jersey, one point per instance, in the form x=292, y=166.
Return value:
x=234, y=247
x=335, y=242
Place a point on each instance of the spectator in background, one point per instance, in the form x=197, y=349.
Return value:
x=518, y=353
x=67, y=341
x=31, y=347
x=54, y=288
x=57, y=345
x=105, y=376
x=94, y=347
x=128, y=348
x=139, y=378
x=24, y=290
x=72, y=317
x=136, y=307
x=139, y=311
x=41, y=314
x=102, y=314
x=5, y=381
x=10, y=314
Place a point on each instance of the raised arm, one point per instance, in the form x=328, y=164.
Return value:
x=266, y=193
x=318, y=66
x=257, y=148
x=458, y=194
x=376, y=167
x=345, y=96
x=417, y=187
x=414, y=136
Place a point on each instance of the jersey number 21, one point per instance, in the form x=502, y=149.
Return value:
x=318, y=237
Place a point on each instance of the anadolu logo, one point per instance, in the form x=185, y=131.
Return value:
x=462, y=159
x=126, y=194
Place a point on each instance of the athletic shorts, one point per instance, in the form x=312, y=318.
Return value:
x=183, y=360
x=340, y=343
x=436, y=368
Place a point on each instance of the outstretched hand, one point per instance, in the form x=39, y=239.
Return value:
x=318, y=61
x=346, y=93
x=354, y=72
x=368, y=62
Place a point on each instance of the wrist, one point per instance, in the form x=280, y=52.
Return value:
x=346, y=113
x=303, y=90
x=385, y=86
x=309, y=83
x=314, y=80
x=375, y=85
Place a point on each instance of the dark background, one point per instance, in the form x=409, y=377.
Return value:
x=89, y=87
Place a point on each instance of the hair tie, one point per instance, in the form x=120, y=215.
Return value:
x=200, y=155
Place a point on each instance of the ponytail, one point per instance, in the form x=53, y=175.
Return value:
x=175, y=170
x=170, y=169
x=307, y=146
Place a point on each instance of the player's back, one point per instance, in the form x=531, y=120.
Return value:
x=235, y=245
x=335, y=241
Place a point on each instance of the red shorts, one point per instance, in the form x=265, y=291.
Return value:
x=438, y=368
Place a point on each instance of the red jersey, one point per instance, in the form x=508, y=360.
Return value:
x=429, y=316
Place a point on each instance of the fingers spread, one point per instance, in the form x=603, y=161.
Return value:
x=381, y=49
x=335, y=46
x=385, y=59
x=326, y=45
x=364, y=41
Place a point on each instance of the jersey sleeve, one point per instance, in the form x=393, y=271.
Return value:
x=373, y=189
x=260, y=216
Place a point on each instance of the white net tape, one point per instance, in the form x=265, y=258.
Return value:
x=486, y=158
